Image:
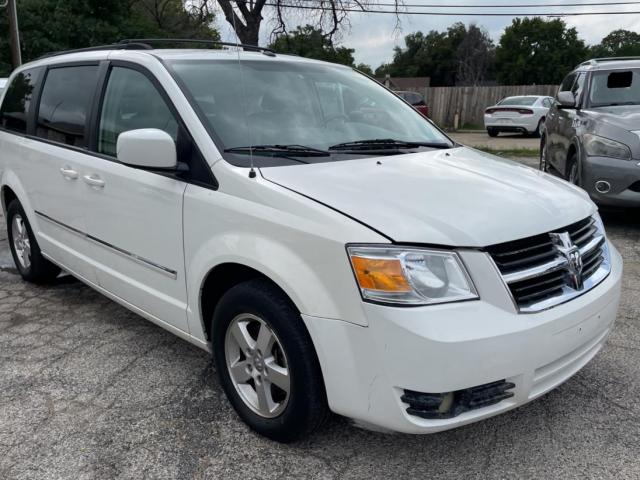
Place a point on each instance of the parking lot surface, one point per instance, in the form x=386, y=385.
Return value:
x=90, y=390
x=506, y=141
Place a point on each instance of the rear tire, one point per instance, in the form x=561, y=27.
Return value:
x=31, y=265
x=492, y=132
x=538, y=131
x=284, y=376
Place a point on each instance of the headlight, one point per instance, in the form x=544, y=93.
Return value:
x=410, y=276
x=597, y=146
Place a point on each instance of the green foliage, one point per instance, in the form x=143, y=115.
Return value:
x=364, y=68
x=439, y=54
x=534, y=50
x=54, y=25
x=310, y=42
x=619, y=43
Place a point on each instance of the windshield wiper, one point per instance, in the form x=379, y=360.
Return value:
x=384, y=143
x=293, y=150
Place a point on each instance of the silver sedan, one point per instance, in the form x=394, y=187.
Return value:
x=524, y=114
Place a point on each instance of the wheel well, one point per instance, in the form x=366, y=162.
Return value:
x=218, y=281
x=8, y=196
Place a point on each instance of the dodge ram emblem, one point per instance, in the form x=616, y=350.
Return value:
x=571, y=252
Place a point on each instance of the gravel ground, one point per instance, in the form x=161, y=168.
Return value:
x=90, y=390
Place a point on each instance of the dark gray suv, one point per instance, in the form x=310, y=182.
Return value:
x=592, y=134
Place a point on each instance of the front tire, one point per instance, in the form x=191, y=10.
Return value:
x=31, y=265
x=267, y=363
x=544, y=163
x=572, y=174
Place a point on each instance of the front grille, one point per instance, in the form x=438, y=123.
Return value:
x=538, y=273
x=440, y=406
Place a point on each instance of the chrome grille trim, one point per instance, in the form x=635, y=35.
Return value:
x=544, y=282
x=557, y=263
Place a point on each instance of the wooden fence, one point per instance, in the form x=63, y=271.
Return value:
x=470, y=102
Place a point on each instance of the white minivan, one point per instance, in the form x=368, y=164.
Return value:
x=331, y=247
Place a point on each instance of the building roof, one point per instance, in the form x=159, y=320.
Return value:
x=405, y=83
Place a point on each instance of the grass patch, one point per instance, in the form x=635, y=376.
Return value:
x=511, y=152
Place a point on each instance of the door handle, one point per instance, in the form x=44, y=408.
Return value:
x=68, y=173
x=94, y=180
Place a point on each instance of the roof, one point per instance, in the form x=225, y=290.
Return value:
x=610, y=63
x=168, y=54
x=406, y=83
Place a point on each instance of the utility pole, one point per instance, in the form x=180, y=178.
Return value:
x=14, y=35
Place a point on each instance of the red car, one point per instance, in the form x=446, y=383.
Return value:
x=416, y=100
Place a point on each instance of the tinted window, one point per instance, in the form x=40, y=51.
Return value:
x=567, y=83
x=576, y=89
x=546, y=102
x=65, y=103
x=523, y=101
x=131, y=102
x=13, y=114
x=615, y=88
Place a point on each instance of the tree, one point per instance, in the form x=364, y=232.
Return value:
x=619, y=43
x=475, y=56
x=534, y=50
x=364, y=68
x=458, y=54
x=245, y=16
x=54, y=25
x=310, y=42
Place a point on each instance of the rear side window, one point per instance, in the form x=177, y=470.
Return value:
x=65, y=104
x=131, y=102
x=15, y=107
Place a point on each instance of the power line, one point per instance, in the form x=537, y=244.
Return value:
x=525, y=5
x=459, y=14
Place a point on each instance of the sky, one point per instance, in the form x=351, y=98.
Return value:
x=373, y=36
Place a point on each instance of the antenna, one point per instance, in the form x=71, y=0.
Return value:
x=252, y=172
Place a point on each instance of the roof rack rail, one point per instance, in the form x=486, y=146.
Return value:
x=113, y=46
x=150, y=41
x=595, y=61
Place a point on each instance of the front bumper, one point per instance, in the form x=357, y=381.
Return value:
x=444, y=348
x=513, y=124
x=622, y=175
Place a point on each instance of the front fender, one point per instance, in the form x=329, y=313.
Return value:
x=324, y=289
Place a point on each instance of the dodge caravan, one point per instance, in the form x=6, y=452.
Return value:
x=332, y=248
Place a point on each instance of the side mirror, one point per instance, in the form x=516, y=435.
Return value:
x=147, y=148
x=566, y=100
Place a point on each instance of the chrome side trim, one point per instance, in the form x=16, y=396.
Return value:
x=131, y=256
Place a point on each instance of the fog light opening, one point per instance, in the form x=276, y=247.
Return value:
x=602, y=186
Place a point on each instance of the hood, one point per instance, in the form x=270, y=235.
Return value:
x=626, y=117
x=457, y=197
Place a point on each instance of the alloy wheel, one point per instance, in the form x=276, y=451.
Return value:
x=257, y=365
x=21, y=242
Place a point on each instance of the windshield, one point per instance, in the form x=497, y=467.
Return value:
x=276, y=103
x=518, y=101
x=619, y=87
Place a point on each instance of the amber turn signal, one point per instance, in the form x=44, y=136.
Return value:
x=380, y=274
